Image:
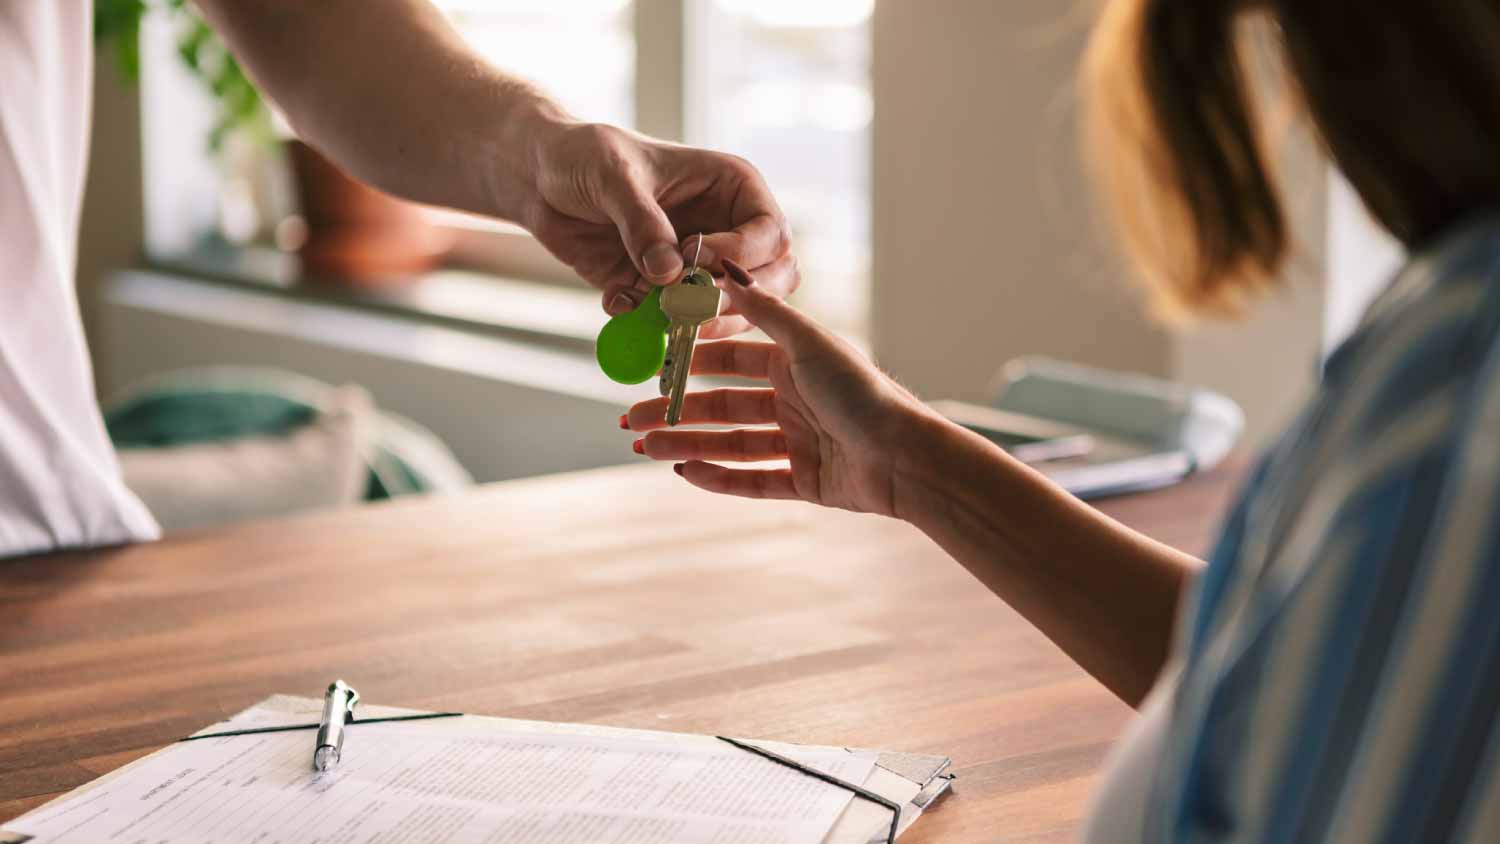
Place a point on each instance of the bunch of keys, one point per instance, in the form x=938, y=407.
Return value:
x=660, y=334
x=688, y=304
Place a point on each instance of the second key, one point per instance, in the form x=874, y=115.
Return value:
x=688, y=304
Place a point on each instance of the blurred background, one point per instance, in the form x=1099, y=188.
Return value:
x=924, y=152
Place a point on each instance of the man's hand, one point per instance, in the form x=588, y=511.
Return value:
x=625, y=212
x=401, y=102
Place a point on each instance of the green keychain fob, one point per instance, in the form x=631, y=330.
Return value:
x=632, y=346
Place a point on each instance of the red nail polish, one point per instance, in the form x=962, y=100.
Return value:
x=677, y=467
x=624, y=424
x=639, y=446
x=738, y=273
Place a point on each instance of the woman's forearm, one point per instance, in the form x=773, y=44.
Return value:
x=391, y=92
x=1104, y=593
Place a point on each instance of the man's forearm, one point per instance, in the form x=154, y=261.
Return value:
x=1104, y=593
x=390, y=90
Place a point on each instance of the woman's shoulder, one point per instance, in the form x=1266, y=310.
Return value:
x=1460, y=265
x=1433, y=335
x=1467, y=249
x=1360, y=572
x=1356, y=650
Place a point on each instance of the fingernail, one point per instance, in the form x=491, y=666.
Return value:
x=624, y=423
x=677, y=467
x=639, y=446
x=738, y=273
x=622, y=303
x=661, y=260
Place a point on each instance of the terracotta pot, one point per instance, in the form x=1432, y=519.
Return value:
x=356, y=234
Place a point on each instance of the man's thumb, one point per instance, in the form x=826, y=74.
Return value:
x=645, y=230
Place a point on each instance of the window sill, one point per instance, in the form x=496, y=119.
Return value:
x=478, y=302
x=538, y=313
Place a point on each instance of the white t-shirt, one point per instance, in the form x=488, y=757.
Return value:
x=1118, y=815
x=59, y=480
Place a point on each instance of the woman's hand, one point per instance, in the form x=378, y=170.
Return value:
x=857, y=440
x=842, y=423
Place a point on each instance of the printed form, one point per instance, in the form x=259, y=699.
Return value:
x=438, y=783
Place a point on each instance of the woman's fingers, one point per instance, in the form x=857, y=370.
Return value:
x=739, y=358
x=779, y=278
x=789, y=327
x=747, y=483
x=743, y=445
x=711, y=407
x=724, y=326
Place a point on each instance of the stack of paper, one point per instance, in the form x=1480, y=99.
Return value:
x=476, y=779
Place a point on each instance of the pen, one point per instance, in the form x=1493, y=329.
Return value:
x=338, y=706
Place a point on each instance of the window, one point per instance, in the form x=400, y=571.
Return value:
x=784, y=83
x=582, y=52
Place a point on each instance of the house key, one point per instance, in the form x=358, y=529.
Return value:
x=687, y=304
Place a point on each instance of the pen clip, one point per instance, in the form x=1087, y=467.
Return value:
x=351, y=695
x=350, y=699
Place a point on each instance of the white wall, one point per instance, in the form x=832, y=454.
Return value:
x=1270, y=361
x=985, y=245
x=1361, y=258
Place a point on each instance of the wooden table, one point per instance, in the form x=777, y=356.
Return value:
x=619, y=596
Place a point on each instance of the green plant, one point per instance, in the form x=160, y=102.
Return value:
x=117, y=23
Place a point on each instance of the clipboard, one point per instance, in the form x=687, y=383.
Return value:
x=913, y=781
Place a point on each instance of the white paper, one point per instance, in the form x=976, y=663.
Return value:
x=436, y=782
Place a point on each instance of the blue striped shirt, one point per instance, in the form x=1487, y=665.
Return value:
x=1340, y=662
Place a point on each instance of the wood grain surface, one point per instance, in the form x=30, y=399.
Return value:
x=620, y=596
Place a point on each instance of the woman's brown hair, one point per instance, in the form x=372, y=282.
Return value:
x=1405, y=96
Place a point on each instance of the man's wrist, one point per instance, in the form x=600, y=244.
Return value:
x=528, y=123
